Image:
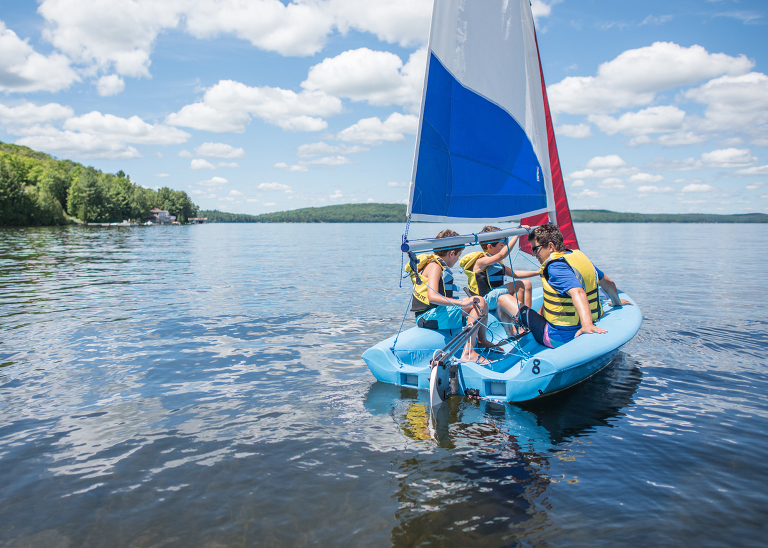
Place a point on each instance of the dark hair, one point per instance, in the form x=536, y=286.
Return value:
x=545, y=234
x=488, y=229
x=446, y=234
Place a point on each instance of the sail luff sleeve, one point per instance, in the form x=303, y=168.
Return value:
x=564, y=220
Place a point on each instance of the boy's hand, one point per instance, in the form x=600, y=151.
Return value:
x=589, y=329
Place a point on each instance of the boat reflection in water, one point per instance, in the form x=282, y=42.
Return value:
x=478, y=470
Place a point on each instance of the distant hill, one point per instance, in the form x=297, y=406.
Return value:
x=395, y=213
x=605, y=216
x=345, y=213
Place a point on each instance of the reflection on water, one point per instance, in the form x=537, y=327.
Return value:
x=480, y=470
x=181, y=386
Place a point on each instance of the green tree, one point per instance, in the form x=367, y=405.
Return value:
x=56, y=181
x=15, y=204
x=87, y=198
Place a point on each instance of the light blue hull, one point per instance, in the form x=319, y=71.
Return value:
x=511, y=377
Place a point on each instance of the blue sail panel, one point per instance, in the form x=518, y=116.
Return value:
x=474, y=159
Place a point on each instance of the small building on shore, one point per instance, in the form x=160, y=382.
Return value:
x=160, y=217
x=197, y=220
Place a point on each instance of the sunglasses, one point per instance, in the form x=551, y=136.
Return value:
x=535, y=249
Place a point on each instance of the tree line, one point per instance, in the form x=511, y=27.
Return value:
x=395, y=213
x=38, y=190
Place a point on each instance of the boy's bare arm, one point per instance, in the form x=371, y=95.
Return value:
x=520, y=273
x=433, y=274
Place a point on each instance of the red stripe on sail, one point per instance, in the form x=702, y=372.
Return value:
x=564, y=221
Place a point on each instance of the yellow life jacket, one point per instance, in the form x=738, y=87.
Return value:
x=559, y=309
x=420, y=302
x=481, y=283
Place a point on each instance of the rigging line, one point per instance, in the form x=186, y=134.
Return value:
x=394, y=344
x=405, y=239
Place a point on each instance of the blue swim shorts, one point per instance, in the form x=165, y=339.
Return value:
x=442, y=317
x=492, y=296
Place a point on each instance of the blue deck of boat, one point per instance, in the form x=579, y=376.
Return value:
x=517, y=374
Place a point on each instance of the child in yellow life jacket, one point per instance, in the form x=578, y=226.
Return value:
x=486, y=274
x=434, y=300
x=571, y=286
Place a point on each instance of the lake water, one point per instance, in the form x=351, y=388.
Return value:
x=203, y=386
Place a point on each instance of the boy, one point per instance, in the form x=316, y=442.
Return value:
x=434, y=303
x=486, y=274
x=570, y=282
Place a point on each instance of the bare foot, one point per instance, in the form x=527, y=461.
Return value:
x=475, y=357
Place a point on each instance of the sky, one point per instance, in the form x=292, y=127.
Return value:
x=254, y=106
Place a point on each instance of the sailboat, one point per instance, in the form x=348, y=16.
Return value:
x=486, y=153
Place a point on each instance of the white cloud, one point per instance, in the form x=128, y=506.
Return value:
x=587, y=193
x=29, y=113
x=650, y=120
x=722, y=158
x=220, y=150
x=760, y=170
x=235, y=193
x=732, y=142
x=336, y=195
x=274, y=187
x=370, y=201
x=698, y=188
x=201, y=164
x=651, y=189
x=656, y=20
x=213, y=181
x=645, y=178
x=610, y=161
x=635, y=76
x=372, y=131
x=185, y=154
x=612, y=182
x=227, y=199
x=110, y=85
x=269, y=204
x=252, y=200
x=288, y=29
x=733, y=102
x=398, y=185
x=328, y=161
x=205, y=164
x=76, y=145
x=728, y=157
x=577, y=183
x=378, y=77
x=321, y=149
x=161, y=175
x=754, y=186
x=106, y=33
x=202, y=194
x=601, y=173
x=539, y=8
x=286, y=167
x=23, y=70
x=682, y=138
x=227, y=107
x=405, y=22
x=130, y=130
x=579, y=131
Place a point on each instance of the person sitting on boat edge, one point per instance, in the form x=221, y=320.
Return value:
x=570, y=282
x=433, y=300
x=486, y=273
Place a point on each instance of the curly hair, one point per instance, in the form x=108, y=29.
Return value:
x=446, y=234
x=545, y=234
